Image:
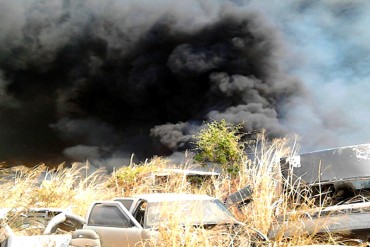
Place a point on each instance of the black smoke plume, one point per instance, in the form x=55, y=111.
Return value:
x=101, y=80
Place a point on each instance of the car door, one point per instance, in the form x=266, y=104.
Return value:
x=116, y=226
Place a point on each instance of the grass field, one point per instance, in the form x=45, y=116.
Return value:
x=76, y=187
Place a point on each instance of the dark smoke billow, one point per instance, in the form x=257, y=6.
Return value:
x=101, y=80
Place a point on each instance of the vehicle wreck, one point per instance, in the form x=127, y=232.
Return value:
x=129, y=221
x=341, y=178
x=206, y=210
x=344, y=168
x=339, y=182
x=40, y=224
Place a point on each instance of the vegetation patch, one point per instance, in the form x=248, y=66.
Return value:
x=269, y=209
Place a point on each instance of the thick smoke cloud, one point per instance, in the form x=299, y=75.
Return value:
x=101, y=80
x=329, y=43
x=104, y=79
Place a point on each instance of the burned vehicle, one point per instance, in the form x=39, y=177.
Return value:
x=346, y=170
x=340, y=179
x=34, y=227
x=337, y=180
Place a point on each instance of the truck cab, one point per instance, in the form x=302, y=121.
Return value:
x=134, y=221
x=151, y=210
x=115, y=225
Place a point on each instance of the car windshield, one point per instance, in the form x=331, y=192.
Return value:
x=192, y=212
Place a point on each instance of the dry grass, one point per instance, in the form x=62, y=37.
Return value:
x=134, y=179
x=23, y=187
x=269, y=208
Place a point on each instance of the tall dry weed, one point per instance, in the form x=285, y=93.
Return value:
x=136, y=178
x=275, y=202
x=62, y=187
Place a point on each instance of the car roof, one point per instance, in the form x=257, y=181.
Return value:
x=167, y=197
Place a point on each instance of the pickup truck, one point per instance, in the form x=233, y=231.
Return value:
x=134, y=220
x=122, y=222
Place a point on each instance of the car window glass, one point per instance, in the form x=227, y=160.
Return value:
x=126, y=202
x=108, y=215
x=194, y=212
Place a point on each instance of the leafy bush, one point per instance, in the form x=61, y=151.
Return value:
x=222, y=143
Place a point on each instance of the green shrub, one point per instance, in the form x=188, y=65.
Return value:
x=221, y=142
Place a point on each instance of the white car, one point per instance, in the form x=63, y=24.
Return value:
x=131, y=220
x=150, y=210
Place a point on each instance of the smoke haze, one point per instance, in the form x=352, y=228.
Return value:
x=101, y=80
x=330, y=43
